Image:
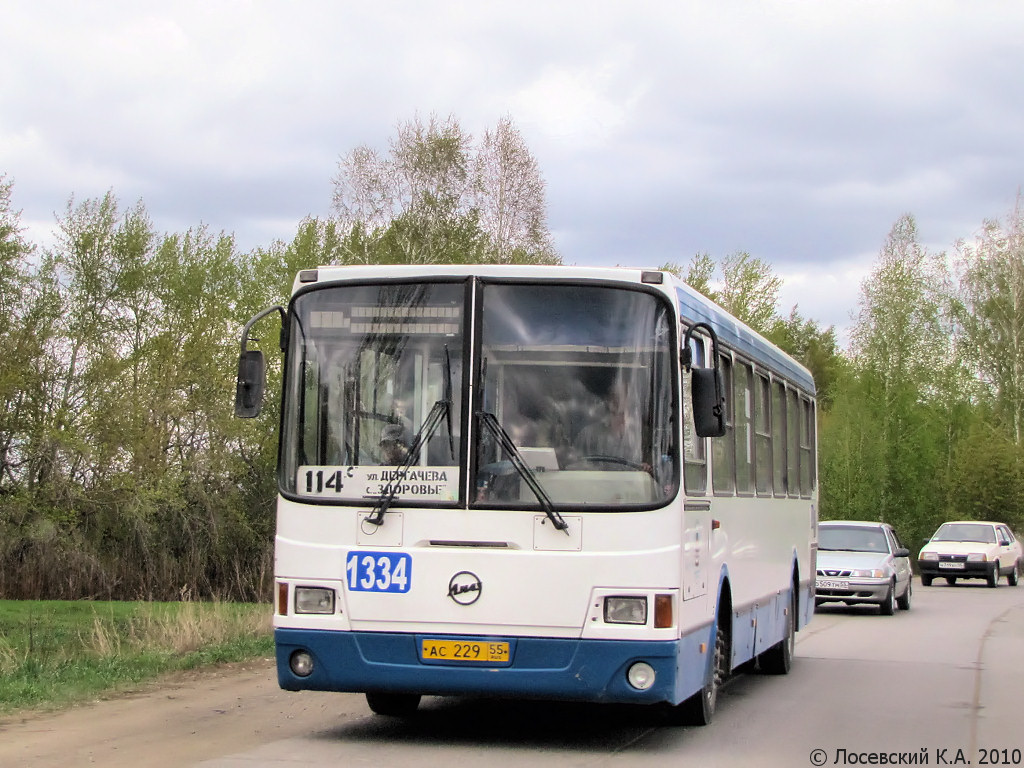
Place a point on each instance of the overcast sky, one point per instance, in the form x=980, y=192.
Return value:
x=796, y=131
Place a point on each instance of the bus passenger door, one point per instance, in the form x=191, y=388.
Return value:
x=696, y=549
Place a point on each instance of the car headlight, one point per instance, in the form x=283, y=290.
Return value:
x=314, y=600
x=625, y=610
x=977, y=557
x=874, y=573
x=928, y=556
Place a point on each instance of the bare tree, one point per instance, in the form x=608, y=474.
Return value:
x=509, y=195
x=436, y=197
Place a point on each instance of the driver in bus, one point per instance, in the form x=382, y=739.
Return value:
x=393, y=447
x=614, y=439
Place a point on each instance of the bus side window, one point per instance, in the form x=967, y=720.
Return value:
x=807, y=457
x=743, y=405
x=762, y=435
x=695, y=462
x=779, y=437
x=723, y=450
x=793, y=441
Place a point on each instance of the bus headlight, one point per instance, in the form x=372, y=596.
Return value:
x=641, y=675
x=314, y=600
x=625, y=610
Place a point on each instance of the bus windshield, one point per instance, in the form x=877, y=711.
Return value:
x=573, y=389
x=368, y=365
x=580, y=380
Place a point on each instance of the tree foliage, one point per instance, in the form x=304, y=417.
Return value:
x=438, y=197
x=991, y=316
x=123, y=473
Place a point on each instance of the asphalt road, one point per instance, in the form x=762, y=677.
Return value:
x=942, y=680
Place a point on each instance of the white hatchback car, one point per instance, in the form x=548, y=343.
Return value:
x=863, y=562
x=971, y=549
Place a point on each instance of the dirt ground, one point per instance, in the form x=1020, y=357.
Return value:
x=179, y=721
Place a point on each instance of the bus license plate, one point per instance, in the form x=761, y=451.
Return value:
x=465, y=650
x=953, y=566
x=832, y=584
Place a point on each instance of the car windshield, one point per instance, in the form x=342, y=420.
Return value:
x=965, y=532
x=851, y=538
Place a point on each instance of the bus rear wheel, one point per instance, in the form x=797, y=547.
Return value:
x=778, y=659
x=392, y=704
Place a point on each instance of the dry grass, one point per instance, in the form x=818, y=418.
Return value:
x=54, y=653
x=186, y=628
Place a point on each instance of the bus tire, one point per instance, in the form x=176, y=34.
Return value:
x=699, y=709
x=392, y=704
x=778, y=659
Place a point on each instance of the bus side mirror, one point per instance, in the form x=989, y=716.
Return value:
x=252, y=380
x=705, y=386
x=708, y=408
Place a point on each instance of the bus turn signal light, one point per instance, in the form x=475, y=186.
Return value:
x=282, y=598
x=663, y=611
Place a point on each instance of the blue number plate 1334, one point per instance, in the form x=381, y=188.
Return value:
x=378, y=571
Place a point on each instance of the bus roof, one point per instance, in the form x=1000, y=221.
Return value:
x=694, y=307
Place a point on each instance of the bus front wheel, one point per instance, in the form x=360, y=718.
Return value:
x=699, y=709
x=392, y=704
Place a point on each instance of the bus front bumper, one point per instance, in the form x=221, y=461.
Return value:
x=551, y=668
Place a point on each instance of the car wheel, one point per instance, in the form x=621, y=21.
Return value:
x=888, y=606
x=926, y=581
x=392, y=704
x=903, y=601
x=1014, y=575
x=951, y=580
x=993, y=578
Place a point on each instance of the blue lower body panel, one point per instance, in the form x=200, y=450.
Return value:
x=568, y=669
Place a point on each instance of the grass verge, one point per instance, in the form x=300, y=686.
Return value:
x=55, y=653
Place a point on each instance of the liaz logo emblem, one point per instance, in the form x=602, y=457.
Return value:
x=465, y=588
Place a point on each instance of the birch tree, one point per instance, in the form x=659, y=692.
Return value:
x=901, y=346
x=438, y=197
x=18, y=343
x=992, y=293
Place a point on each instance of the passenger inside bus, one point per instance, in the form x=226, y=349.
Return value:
x=393, y=448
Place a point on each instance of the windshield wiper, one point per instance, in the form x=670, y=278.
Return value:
x=490, y=421
x=442, y=409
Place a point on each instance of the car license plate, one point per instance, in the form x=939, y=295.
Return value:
x=952, y=566
x=465, y=650
x=832, y=584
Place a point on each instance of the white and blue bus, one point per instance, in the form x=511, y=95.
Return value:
x=534, y=481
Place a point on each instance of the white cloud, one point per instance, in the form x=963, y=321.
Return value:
x=796, y=131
